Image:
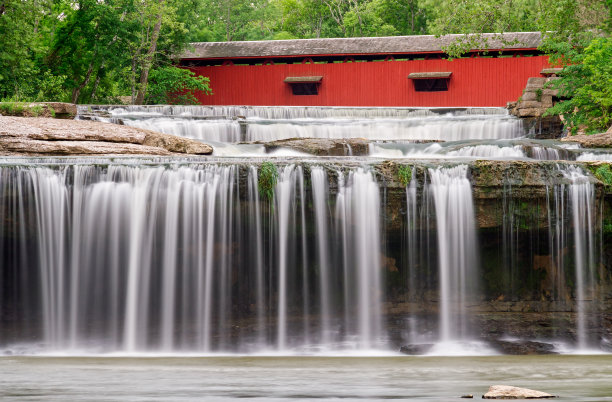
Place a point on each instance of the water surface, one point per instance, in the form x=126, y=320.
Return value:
x=585, y=378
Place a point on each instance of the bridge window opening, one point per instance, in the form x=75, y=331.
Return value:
x=430, y=81
x=304, y=85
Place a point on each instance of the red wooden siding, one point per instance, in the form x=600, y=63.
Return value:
x=477, y=81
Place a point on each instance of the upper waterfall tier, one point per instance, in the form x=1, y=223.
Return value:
x=269, y=123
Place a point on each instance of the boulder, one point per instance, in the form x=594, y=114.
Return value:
x=416, y=348
x=510, y=392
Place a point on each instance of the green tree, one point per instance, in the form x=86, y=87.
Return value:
x=175, y=86
x=588, y=86
x=20, y=28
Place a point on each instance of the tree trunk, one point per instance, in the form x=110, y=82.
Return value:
x=148, y=60
x=76, y=92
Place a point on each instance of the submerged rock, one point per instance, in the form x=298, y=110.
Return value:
x=524, y=347
x=510, y=392
x=323, y=146
x=416, y=348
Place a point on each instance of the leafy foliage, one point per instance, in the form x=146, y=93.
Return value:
x=268, y=175
x=404, y=174
x=175, y=86
x=604, y=174
x=588, y=86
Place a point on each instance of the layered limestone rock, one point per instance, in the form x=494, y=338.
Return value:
x=42, y=136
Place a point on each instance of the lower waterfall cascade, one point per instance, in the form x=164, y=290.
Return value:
x=194, y=258
x=453, y=233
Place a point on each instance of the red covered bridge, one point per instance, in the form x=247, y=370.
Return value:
x=392, y=71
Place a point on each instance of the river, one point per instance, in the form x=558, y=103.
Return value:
x=571, y=377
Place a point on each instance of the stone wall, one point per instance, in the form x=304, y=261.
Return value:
x=536, y=99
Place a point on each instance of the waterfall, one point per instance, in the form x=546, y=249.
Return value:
x=180, y=258
x=359, y=218
x=284, y=197
x=457, y=250
x=581, y=199
x=319, y=194
x=269, y=123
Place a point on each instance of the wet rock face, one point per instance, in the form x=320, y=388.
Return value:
x=510, y=392
x=43, y=136
x=523, y=347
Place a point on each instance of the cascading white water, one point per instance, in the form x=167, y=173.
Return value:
x=237, y=123
x=257, y=255
x=447, y=128
x=360, y=205
x=489, y=151
x=319, y=181
x=150, y=258
x=457, y=250
x=581, y=199
x=285, y=112
x=284, y=196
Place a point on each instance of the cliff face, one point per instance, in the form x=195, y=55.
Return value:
x=525, y=255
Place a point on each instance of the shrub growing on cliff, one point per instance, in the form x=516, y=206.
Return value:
x=404, y=174
x=175, y=86
x=268, y=175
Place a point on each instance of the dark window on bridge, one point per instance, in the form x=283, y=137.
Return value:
x=304, y=85
x=430, y=82
x=304, y=88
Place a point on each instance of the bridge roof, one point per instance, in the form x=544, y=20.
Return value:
x=354, y=46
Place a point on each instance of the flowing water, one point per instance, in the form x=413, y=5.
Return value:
x=452, y=195
x=233, y=124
